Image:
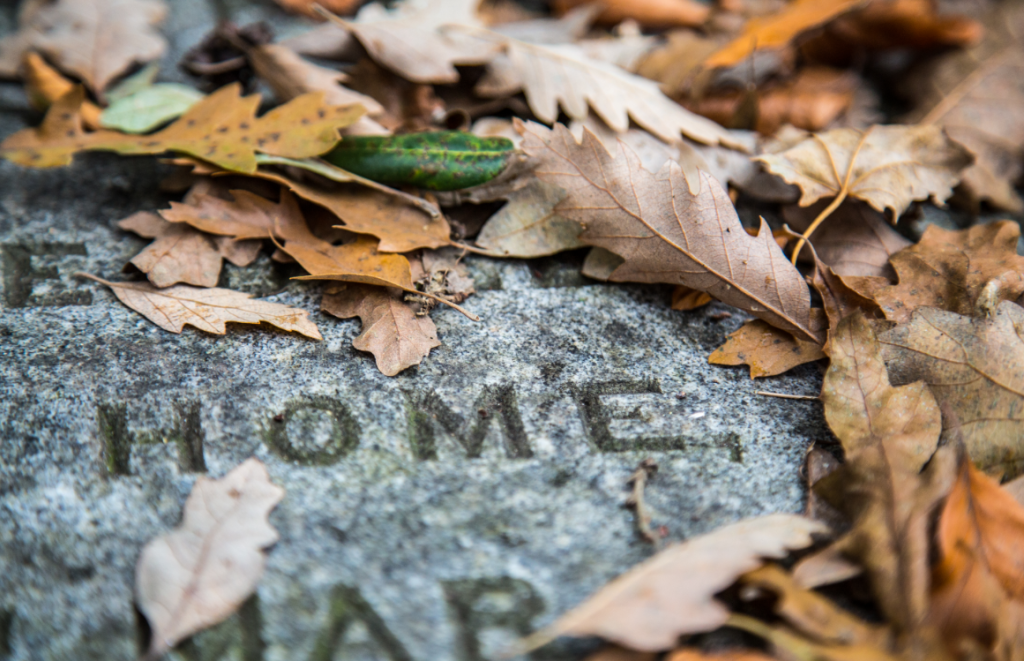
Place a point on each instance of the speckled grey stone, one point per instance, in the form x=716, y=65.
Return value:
x=436, y=515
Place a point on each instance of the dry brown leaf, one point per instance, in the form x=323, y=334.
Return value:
x=766, y=349
x=392, y=331
x=979, y=537
x=648, y=13
x=563, y=75
x=839, y=299
x=684, y=298
x=528, y=226
x=94, y=40
x=671, y=594
x=357, y=261
x=857, y=241
x=886, y=166
x=340, y=7
x=975, y=368
x=780, y=29
x=887, y=434
x=966, y=271
x=222, y=129
x=179, y=254
x=44, y=85
x=676, y=63
x=207, y=309
x=412, y=39
x=199, y=574
x=667, y=234
x=246, y=216
x=728, y=655
x=968, y=94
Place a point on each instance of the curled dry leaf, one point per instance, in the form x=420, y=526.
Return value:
x=886, y=166
x=44, y=85
x=766, y=349
x=667, y=234
x=975, y=367
x=960, y=271
x=672, y=594
x=553, y=76
x=221, y=129
x=838, y=299
x=94, y=40
x=528, y=226
x=392, y=331
x=207, y=309
x=887, y=434
x=684, y=298
x=779, y=29
x=199, y=574
x=648, y=13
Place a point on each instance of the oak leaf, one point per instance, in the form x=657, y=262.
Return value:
x=392, y=331
x=979, y=537
x=648, y=13
x=562, y=75
x=667, y=234
x=956, y=271
x=94, y=40
x=199, y=574
x=888, y=434
x=886, y=166
x=672, y=593
x=975, y=368
x=528, y=226
x=221, y=129
x=44, y=85
x=766, y=349
x=207, y=309
x=779, y=29
x=183, y=254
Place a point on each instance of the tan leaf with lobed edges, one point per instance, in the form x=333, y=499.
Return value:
x=766, y=349
x=667, y=234
x=201, y=572
x=221, y=129
x=528, y=226
x=392, y=331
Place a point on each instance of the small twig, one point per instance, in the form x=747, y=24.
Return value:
x=334, y=173
x=781, y=395
x=647, y=468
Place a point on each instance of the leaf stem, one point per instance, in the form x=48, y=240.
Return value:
x=334, y=173
x=825, y=213
x=782, y=395
x=344, y=278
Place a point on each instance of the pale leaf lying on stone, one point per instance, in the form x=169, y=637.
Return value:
x=667, y=234
x=392, y=331
x=148, y=108
x=207, y=309
x=199, y=574
x=95, y=40
x=886, y=166
x=528, y=226
x=553, y=76
x=672, y=594
x=975, y=368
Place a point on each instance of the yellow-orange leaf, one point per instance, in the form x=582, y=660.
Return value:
x=767, y=350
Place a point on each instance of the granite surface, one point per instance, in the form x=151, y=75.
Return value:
x=435, y=515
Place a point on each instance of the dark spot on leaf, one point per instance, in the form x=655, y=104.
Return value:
x=321, y=114
x=244, y=126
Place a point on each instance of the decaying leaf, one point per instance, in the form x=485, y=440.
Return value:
x=528, y=226
x=960, y=271
x=562, y=75
x=980, y=535
x=94, y=40
x=780, y=29
x=886, y=166
x=651, y=605
x=838, y=298
x=887, y=434
x=44, y=85
x=677, y=62
x=683, y=298
x=199, y=574
x=183, y=254
x=975, y=368
x=246, y=216
x=207, y=309
x=392, y=331
x=666, y=233
x=221, y=129
x=766, y=349
x=648, y=13
x=342, y=7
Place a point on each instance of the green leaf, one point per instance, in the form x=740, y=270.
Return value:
x=441, y=161
x=149, y=107
x=136, y=82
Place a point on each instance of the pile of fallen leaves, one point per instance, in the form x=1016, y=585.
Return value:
x=633, y=128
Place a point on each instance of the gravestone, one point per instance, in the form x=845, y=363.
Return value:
x=438, y=515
